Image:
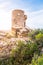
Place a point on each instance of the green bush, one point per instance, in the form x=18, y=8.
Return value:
x=37, y=60
x=22, y=55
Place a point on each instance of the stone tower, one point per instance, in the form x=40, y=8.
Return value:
x=18, y=19
x=18, y=22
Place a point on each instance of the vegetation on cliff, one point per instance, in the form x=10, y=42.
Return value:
x=26, y=52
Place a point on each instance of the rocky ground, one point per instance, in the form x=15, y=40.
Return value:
x=7, y=43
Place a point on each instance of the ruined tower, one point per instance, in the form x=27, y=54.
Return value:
x=18, y=19
x=18, y=22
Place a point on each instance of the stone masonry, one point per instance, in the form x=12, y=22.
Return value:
x=19, y=23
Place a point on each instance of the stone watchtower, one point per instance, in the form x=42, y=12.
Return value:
x=18, y=20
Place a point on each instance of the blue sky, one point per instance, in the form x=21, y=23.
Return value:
x=33, y=9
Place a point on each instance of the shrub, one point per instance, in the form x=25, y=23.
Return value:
x=37, y=60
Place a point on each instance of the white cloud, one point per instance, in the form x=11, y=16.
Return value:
x=5, y=20
x=36, y=19
x=5, y=16
x=4, y=4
